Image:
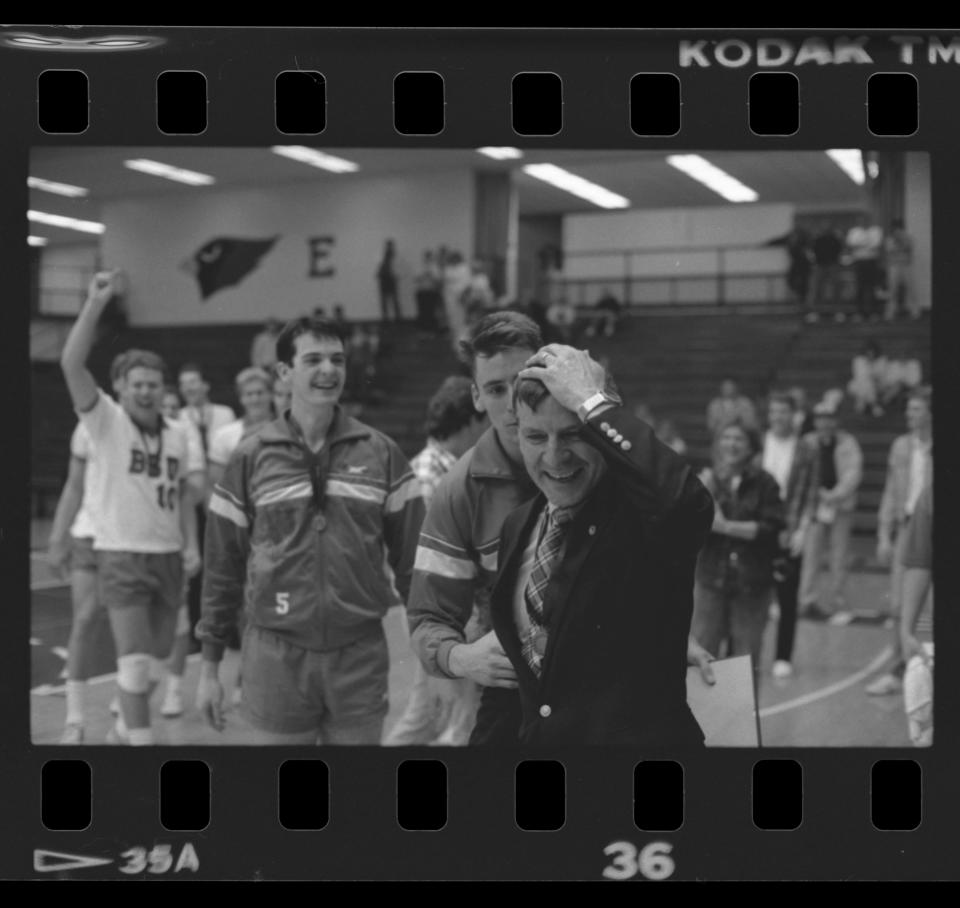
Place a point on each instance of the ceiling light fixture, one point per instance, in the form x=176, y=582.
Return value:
x=505, y=153
x=711, y=176
x=850, y=161
x=72, y=192
x=58, y=220
x=315, y=158
x=578, y=186
x=169, y=172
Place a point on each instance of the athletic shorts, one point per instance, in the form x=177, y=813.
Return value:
x=82, y=555
x=140, y=578
x=342, y=693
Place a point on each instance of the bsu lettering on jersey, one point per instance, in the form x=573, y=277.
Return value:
x=141, y=462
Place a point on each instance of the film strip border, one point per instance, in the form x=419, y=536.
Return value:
x=364, y=815
x=654, y=103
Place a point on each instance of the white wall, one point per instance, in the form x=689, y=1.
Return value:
x=150, y=239
x=65, y=273
x=916, y=210
x=699, y=230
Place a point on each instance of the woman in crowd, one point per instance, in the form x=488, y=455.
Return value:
x=734, y=579
x=869, y=377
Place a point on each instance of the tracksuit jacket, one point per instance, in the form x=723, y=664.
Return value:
x=298, y=538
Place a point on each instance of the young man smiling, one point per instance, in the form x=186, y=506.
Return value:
x=594, y=595
x=457, y=556
x=144, y=532
x=296, y=534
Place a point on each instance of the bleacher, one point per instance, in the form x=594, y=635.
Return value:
x=674, y=364
x=822, y=358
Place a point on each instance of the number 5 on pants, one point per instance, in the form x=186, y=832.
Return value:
x=283, y=603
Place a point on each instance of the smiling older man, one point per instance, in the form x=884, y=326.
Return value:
x=595, y=592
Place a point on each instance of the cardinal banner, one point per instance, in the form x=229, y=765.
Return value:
x=225, y=262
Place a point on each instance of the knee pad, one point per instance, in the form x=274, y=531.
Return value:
x=157, y=671
x=133, y=673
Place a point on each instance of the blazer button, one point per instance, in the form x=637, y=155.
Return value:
x=604, y=427
x=611, y=432
x=545, y=711
x=625, y=445
x=618, y=438
x=592, y=530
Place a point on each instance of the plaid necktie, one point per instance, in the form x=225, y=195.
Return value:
x=545, y=560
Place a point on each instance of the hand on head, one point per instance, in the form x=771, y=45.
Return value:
x=570, y=375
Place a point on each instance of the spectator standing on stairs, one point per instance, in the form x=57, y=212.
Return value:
x=730, y=405
x=865, y=246
x=899, y=259
x=827, y=248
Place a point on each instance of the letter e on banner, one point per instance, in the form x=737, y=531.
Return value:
x=320, y=251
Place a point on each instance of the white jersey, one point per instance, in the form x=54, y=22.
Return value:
x=194, y=442
x=136, y=507
x=208, y=419
x=224, y=441
x=83, y=524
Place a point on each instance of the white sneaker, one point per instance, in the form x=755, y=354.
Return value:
x=72, y=734
x=237, y=696
x=782, y=669
x=885, y=684
x=172, y=704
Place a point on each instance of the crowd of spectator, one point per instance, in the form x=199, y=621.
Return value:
x=879, y=264
x=783, y=497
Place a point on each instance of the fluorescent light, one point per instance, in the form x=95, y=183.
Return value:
x=178, y=174
x=36, y=241
x=578, y=186
x=501, y=154
x=58, y=220
x=315, y=158
x=73, y=192
x=701, y=170
x=850, y=161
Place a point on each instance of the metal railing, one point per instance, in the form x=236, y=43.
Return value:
x=717, y=276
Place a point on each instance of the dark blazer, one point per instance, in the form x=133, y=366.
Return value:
x=619, y=604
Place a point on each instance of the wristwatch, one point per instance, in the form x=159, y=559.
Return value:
x=591, y=404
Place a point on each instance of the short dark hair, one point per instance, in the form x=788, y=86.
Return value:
x=782, y=397
x=192, y=367
x=451, y=408
x=497, y=332
x=141, y=359
x=306, y=324
x=171, y=389
x=749, y=430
